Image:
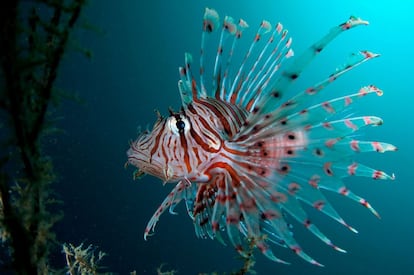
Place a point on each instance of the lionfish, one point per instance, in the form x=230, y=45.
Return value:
x=244, y=155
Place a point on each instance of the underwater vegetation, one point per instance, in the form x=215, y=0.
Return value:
x=80, y=260
x=33, y=39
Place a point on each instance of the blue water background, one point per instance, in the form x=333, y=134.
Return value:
x=134, y=71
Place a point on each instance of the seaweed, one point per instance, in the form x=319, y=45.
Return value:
x=33, y=39
x=80, y=260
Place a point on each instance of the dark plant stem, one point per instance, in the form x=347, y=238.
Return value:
x=26, y=97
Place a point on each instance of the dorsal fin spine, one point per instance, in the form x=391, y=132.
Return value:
x=250, y=77
x=264, y=27
x=210, y=24
x=229, y=28
x=263, y=73
x=240, y=28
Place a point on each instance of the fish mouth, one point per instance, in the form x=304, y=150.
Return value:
x=146, y=164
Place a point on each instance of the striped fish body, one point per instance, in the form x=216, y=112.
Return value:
x=244, y=154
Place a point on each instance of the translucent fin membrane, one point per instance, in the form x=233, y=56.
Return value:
x=247, y=84
x=300, y=63
x=298, y=104
x=210, y=23
x=240, y=28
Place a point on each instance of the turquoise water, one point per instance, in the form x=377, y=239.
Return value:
x=134, y=70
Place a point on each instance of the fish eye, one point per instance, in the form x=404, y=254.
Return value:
x=178, y=124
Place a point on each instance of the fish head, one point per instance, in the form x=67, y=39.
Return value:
x=159, y=152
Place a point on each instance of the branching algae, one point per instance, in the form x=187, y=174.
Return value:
x=33, y=39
